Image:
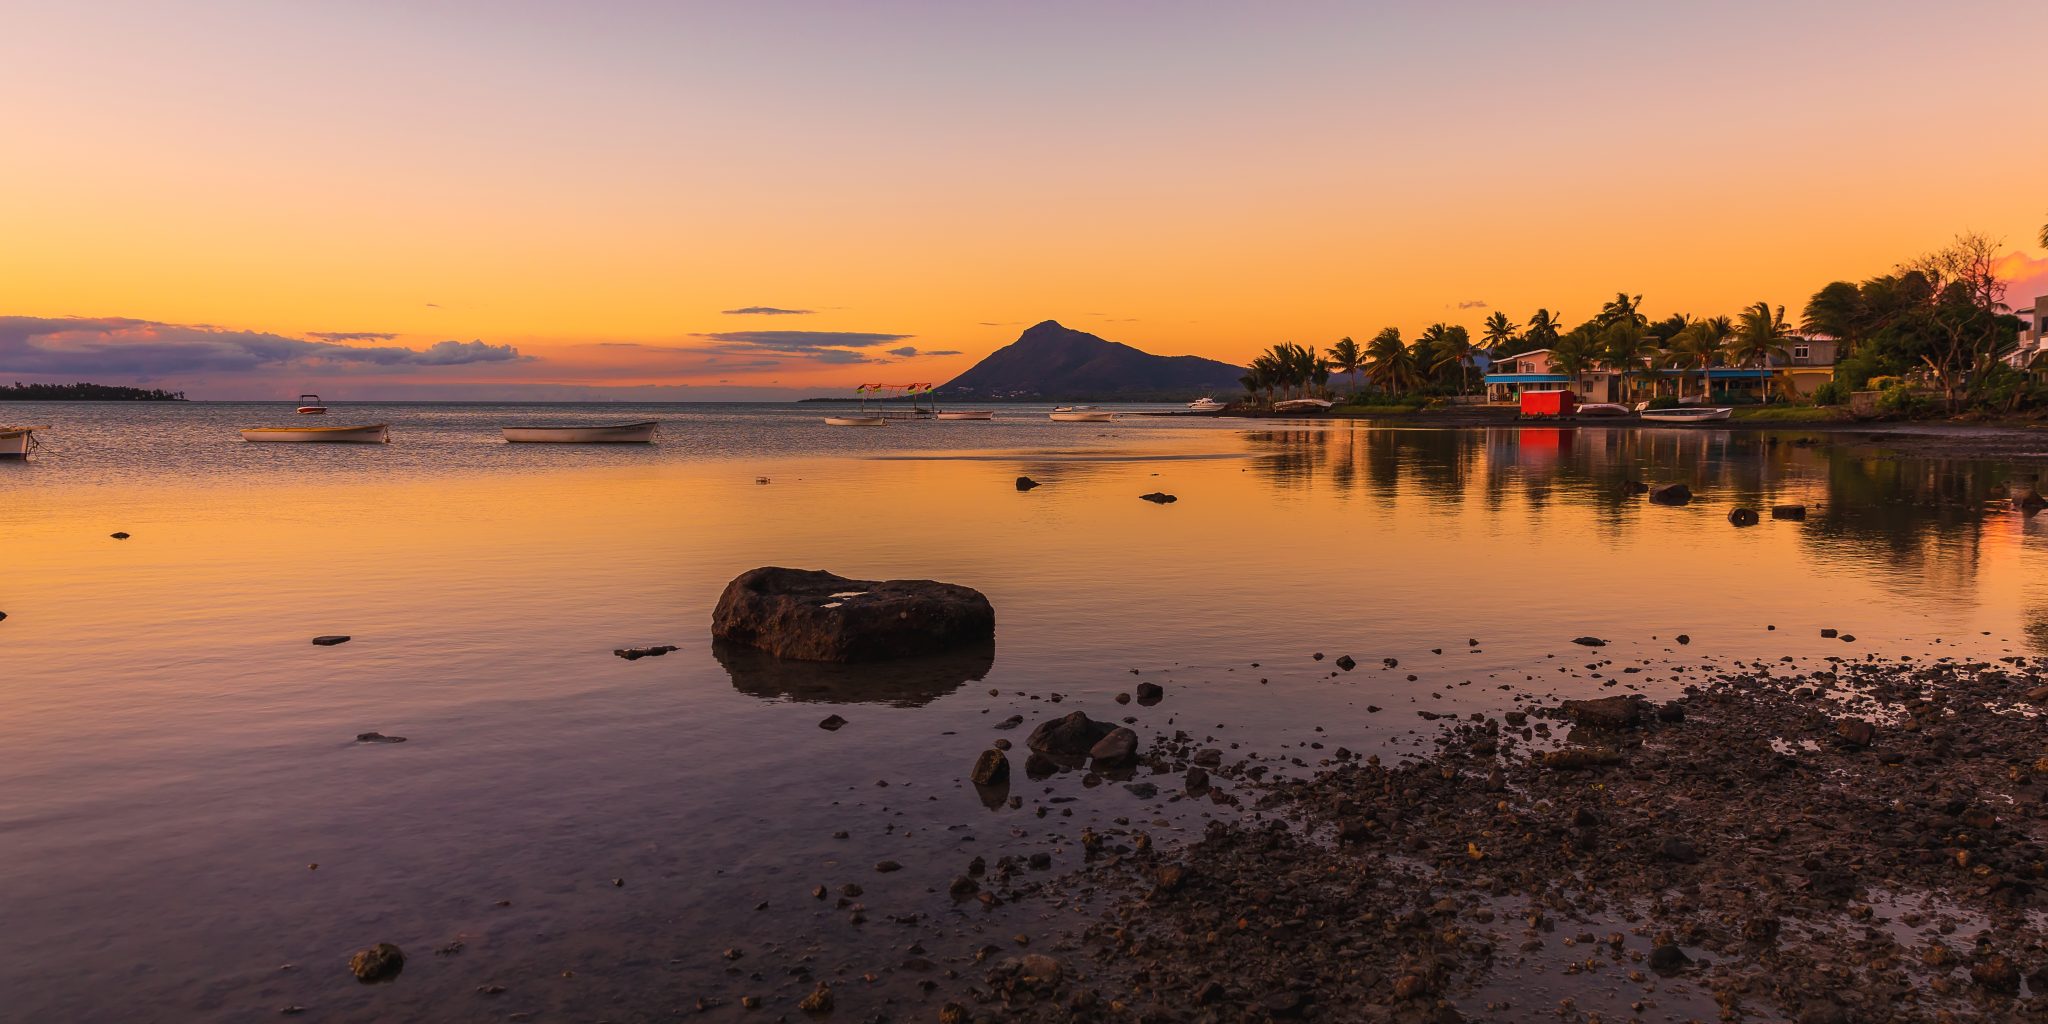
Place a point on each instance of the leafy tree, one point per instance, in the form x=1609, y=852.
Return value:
x=1543, y=330
x=1575, y=353
x=1389, y=363
x=1759, y=337
x=1698, y=347
x=1453, y=348
x=1347, y=357
x=1499, y=332
x=1624, y=308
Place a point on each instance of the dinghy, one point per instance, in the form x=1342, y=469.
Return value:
x=855, y=421
x=1693, y=415
x=17, y=442
x=1303, y=405
x=373, y=433
x=1081, y=414
x=968, y=414
x=602, y=433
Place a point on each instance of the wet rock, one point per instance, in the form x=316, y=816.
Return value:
x=991, y=768
x=1159, y=498
x=1072, y=736
x=816, y=616
x=1669, y=959
x=330, y=641
x=1034, y=969
x=887, y=867
x=1679, y=850
x=1011, y=722
x=1671, y=494
x=3, y=616
x=1197, y=780
x=1576, y=758
x=377, y=737
x=118, y=535
x=1830, y=634
x=832, y=723
x=819, y=1001
x=1025, y=483
x=1793, y=512
x=1855, y=732
x=963, y=887
x=1742, y=517
x=1346, y=663
x=1589, y=641
x=1608, y=714
x=1996, y=973
x=1116, y=749
x=1149, y=694
x=380, y=962
x=1683, y=639
x=636, y=653
x=1634, y=487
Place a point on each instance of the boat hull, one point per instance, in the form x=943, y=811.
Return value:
x=971, y=414
x=312, y=410
x=855, y=421
x=373, y=433
x=14, y=442
x=606, y=433
x=1082, y=417
x=1303, y=405
x=1682, y=417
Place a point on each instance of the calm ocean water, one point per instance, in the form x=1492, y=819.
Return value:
x=179, y=756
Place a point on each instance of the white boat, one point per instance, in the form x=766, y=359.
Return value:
x=1698, y=414
x=1206, y=404
x=855, y=421
x=373, y=433
x=17, y=442
x=1303, y=405
x=1081, y=414
x=310, y=405
x=968, y=414
x=1603, y=409
x=601, y=433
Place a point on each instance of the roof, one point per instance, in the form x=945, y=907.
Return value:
x=1527, y=378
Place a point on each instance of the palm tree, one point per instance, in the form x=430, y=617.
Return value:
x=2044, y=236
x=1389, y=364
x=1624, y=308
x=1837, y=311
x=1543, y=332
x=1622, y=346
x=1425, y=350
x=1574, y=353
x=1760, y=337
x=1347, y=357
x=1499, y=332
x=1454, y=348
x=1696, y=348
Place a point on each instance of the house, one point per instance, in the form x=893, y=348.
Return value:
x=2033, y=332
x=1808, y=363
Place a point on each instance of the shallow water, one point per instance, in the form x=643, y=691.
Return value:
x=177, y=754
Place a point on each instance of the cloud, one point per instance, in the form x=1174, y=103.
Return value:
x=906, y=351
x=119, y=346
x=803, y=341
x=1472, y=304
x=350, y=336
x=943, y=352
x=764, y=311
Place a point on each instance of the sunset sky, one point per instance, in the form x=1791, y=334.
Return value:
x=722, y=200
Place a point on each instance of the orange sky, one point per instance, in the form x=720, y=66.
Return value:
x=593, y=190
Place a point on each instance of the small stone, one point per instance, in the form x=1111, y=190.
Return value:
x=1855, y=732
x=380, y=962
x=330, y=641
x=1159, y=498
x=118, y=535
x=1742, y=517
x=887, y=866
x=1346, y=662
x=1668, y=958
x=1149, y=693
x=377, y=737
x=1792, y=512
x=1829, y=634
x=1671, y=494
x=819, y=1001
x=832, y=723
x=1589, y=641
x=1025, y=483
x=1684, y=639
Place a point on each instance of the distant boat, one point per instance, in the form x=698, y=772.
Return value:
x=1694, y=415
x=855, y=421
x=1303, y=405
x=601, y=433
x=309, y=405
x=17, y=442
x=374, y=433
x=968, y=414
x=1603, y=409
x=1081, y=414
x=1207, y=404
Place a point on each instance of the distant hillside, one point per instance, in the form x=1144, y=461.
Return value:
x=1054, y=363
x=83, y=392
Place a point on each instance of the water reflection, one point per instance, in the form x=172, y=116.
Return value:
x=906, y=683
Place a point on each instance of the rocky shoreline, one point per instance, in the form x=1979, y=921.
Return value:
x=1858, y=839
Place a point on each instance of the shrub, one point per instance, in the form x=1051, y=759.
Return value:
x=1898, y=400
x=1880, y=383
x=1832, y=392
x=1663, y=402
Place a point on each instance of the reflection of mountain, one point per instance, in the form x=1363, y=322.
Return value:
x=907, y=682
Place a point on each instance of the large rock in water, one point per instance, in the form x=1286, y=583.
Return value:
x=1073, y=736
x=817, y=616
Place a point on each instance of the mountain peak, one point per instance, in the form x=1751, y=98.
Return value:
x=1051, y=361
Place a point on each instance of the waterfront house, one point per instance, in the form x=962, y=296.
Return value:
x=1808, y=363
x=2033, y=332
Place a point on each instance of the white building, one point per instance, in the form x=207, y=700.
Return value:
x=2033, y=332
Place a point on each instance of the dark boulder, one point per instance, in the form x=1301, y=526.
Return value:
x=1159, y=498
x=1671, y=494
x=330, y=641
x=1793, y=512
x=991, y=768
x=377, y=737
x=118, y=536
x=816, y=616
x=1609, y=714
x=1073, y=736
x=1589, y=641
x=380, y=962
x=1669, y=959
x=1346, y=662
x=1116, y=749
x=1150, y=693
x=832, y=723
x=1855, y=732
x=1742, y=517
x=1025, y=483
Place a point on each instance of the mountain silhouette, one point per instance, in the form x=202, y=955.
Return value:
x=1053, y=362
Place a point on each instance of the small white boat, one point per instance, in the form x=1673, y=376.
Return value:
x=1207, y=404
x=1603, y=409
x=310, y=405
x=968, y=414
x=1081, y=414
x=855, y=421
x=600, y=433
x=17, y=442
x=373, y=433
x=1693, y=415
x=1303, y=405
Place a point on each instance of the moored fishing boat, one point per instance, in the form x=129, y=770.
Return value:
x=598, y=433
x=17, y=442
x=967, y=414
x=856, y=421
x=371, y=433
x=1693, y=415
x=1603, y=409
x=1081, y=414
x=1301, y=405
x=1207, y=404
x=310, y=405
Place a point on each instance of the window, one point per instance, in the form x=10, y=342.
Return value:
x=1799, y=353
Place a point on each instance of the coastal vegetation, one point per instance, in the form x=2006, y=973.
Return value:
x=83, y=392
x=1933, y=337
